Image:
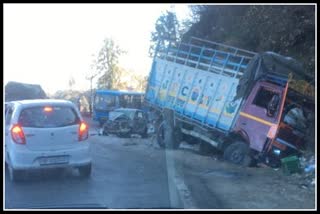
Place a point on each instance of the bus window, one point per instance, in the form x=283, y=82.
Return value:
x=104, y=101
x=136, y=101
x=123, y=99
x=129, y=101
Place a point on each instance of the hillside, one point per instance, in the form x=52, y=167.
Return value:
x=288, y=30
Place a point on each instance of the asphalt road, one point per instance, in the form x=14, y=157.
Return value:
x=125, y=174
x=134, y=173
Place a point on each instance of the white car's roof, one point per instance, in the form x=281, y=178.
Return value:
x=36, y=102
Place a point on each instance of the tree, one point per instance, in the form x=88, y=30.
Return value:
x=285, y=29
x=166, y=28
x=141, y=82
x=106, y=63
x=129, y=80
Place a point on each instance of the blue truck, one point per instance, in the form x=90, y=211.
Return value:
x=194, y=89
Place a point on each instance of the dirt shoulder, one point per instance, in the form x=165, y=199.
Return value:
x=215, y=184
x=211, y=183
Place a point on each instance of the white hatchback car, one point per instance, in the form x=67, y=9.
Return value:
x=45, y=133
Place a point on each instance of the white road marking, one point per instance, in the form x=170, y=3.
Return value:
x=184, y=193
x=177, y=188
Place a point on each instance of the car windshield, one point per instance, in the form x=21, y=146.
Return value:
x=117, y=113
x=164, y=106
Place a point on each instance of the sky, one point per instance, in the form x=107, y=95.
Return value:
x=46, y=44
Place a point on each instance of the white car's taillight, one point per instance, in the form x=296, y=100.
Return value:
x=18, y=135
x=83, y=131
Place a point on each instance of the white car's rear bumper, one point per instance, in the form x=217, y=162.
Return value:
x=26, y=159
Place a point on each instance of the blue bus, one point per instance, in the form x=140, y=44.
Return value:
x=105, y=101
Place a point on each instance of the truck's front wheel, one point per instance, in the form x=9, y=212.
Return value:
x=237, y=153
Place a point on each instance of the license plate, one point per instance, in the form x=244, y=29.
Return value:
x=54, y=160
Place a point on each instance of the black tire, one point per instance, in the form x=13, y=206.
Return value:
x=14, y=174
x=6, y=161
x=168, y=137
x=237, y=153
x=160, y=136
x=85, y=171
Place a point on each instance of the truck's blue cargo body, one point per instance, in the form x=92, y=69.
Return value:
x=198, y=82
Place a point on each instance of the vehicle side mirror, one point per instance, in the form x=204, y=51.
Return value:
x=273, y=105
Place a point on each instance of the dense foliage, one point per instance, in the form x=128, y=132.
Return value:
x=285, y=29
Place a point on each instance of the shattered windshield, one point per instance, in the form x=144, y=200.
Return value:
x=117, y=113
x=159, y=106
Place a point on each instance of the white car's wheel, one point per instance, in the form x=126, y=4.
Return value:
x=85, y=171
x=15, y=175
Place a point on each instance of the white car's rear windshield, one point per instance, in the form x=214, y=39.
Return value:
x=48, y=117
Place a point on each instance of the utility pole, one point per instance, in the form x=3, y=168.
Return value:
x=91, y=77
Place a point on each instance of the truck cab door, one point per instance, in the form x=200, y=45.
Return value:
x=259, y=114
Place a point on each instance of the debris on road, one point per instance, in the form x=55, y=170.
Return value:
x=290, y=165
x=130, y=143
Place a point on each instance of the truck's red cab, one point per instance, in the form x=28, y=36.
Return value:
x=260, y=121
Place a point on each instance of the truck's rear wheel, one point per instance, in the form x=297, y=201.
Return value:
x=237, y=153
x=160, y=136
x=168, y=137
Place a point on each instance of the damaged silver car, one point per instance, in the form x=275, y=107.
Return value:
x=124, y=122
